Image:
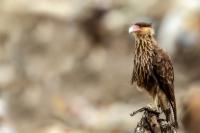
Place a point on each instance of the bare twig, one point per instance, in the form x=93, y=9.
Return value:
x=151, y=122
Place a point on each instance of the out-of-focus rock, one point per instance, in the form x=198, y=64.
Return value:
x=107, y=117
x=56, y=128
x=96, y=60
x=62, y=9
x=7, y=75
x=92, y=25
x=191, y=109
x=178, y=20
x=6, y=126
x=115, y=21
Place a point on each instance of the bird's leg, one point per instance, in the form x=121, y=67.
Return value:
x=168, y=119
x=153, y=108
x=155, y=99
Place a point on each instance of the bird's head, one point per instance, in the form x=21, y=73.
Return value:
x=141, y=29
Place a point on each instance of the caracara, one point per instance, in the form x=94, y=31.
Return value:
x=153, y=70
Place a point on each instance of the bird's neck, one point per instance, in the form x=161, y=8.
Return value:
x=143, y=56
x=144, y=45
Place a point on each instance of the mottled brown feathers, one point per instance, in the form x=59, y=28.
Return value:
x=153, y=71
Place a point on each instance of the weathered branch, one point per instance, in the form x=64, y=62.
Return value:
x=152, y=123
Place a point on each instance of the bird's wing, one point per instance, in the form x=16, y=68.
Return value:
x=164, y=74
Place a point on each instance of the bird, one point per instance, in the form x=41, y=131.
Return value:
x=153, y=70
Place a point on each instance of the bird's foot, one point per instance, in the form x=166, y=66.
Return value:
x=165, y=124
x=148, y=109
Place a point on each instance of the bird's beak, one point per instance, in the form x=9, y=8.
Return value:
x=133, y=28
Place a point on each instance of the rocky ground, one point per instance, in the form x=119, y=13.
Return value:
x=65, y=67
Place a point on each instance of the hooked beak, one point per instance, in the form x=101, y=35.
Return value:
x=133, y=28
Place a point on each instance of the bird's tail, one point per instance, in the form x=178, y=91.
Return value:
x=174, y=114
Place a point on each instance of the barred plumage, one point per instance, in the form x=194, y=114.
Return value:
x=153, y=70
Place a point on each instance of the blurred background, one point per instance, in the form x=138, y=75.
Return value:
x=65, y=65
